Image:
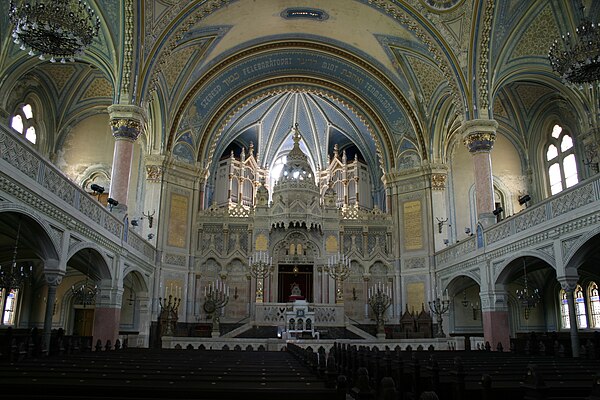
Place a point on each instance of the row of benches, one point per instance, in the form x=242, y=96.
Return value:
x=369, y=373
x=165, y=374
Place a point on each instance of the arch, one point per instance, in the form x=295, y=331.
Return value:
x=284, y=243
x=510, y=268
x=138, y=282
x=42, y=240
x=79, y=259
x=581, y=250
x=216, y=100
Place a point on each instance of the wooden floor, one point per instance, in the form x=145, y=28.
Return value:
x=164, y=374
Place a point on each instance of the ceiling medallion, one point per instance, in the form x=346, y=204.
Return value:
x=441, y=5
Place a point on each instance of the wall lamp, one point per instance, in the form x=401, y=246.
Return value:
x=97, y=188
x=497, y=211
x=441, y=223
x=134, y=222
x=524, y=199
x=112, y=203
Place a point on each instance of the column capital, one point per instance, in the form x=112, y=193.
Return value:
x=52, y=272
x=568, y=283
x=479, y=134
x=154, y=173
x=54, y=278
x=127, y=121
x=495, y=300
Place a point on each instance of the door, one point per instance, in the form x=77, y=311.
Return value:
x=84, y=322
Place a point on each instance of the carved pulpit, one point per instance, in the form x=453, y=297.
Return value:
x=299, y=321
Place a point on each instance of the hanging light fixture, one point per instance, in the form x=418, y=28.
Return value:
x=528, y=297
x=576, y=56
x=13, y=276
x=57, y=29
x=464, y=301
x=85, y=294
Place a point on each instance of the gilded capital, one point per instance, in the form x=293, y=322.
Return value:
x=476, y=142
x=438, y=181
x=154, y=173
x=126, y=121
x=479, y=135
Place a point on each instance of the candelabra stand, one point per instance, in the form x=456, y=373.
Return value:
x=216, y=296
x=260, y=266
x=439, y=308
x=380, y=299
x=169, y=308
x=338, y=267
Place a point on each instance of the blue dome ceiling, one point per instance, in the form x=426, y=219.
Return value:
x=322, y=122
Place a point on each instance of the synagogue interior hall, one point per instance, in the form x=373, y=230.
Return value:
x=257, y=174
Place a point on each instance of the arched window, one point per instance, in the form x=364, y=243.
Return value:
x=560, y=161
x=580, y=308
x=24, y=122
x=10, y=307
x=564, y=309
x=594, y=304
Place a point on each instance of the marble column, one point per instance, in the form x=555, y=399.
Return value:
x=569, y=286
x=494, y=311
x=127, y=123
x=107, y=314
x=479, y=137
x=53, y=279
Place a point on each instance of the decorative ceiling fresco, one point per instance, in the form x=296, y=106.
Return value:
x=388, y=77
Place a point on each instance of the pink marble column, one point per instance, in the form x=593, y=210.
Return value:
x=106, y=324
x=494, y=307
x=479, y=137
x=496, y=329
x=127, y=123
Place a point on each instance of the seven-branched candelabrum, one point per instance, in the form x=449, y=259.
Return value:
x=338, y=267
x=260, y=266
x=216, y=296
x=169, y=308
x=439, y=308
x=380, y=299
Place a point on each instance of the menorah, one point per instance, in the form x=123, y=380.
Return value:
x=380, y=299
x=260, y=266
x=216, y=296
x=169, y=307
x=439, y=308
x=338, y=267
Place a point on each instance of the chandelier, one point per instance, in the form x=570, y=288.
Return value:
x=13, y=276
x=528, y=297
x=576, y=57
x=59, y=29
x=85, y=294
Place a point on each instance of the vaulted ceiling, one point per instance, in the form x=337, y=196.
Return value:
x=388, y=77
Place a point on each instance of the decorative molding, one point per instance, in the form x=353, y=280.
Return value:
x=175, y=259
x=438, y=181
x=484, y=56
x=415, y=263
x=154, y=173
